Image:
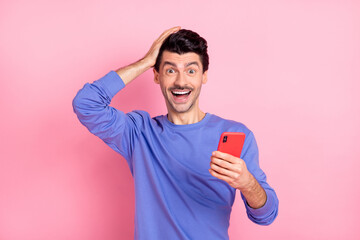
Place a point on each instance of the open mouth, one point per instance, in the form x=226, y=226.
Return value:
x=181, y=93
x=181, y=96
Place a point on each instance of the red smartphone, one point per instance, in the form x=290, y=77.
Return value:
x=231, y=143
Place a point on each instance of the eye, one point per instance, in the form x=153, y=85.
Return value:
x=191, y=71
x=170, y=70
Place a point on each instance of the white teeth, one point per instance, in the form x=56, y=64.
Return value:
x=182, y=93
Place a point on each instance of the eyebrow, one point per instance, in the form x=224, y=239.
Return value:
x=192, y=63
x=174, y=65
x=169, y=63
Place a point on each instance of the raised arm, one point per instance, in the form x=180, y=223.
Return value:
x=91, y=103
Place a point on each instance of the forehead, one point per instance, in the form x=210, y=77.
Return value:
x=180, y=60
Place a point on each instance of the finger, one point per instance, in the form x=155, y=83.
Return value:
x=172, y=30
x=158, y=42
x=166, y=33
x=223, y=171
x=222, y=163
x=220, y=176
x=155, y=47
x=225, y=156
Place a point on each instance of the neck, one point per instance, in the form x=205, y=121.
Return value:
x=185, y=118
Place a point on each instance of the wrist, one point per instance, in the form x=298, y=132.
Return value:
x=254, y=193
x=249, y=185
x=133, y=70
x=146, y=63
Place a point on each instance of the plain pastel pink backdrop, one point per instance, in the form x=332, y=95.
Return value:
x=289, y=70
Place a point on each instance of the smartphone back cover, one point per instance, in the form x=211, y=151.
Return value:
x=232, y=143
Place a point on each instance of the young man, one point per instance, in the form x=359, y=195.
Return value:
x=184, y=189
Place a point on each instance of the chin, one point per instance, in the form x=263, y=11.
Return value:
x=182, y=109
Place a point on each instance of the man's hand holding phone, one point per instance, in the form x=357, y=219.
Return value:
x=233, y=170
x=226, y=163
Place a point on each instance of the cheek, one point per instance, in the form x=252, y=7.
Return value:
x=163, y=87
x=166, y=81
x=199, y=82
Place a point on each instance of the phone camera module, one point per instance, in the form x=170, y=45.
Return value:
x=224, y=139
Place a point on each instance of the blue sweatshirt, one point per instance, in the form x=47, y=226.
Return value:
x=176, y=196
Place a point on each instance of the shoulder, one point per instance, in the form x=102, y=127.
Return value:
x=143, y=119
x=229, y=125
x=139, y=113
x=138, y=117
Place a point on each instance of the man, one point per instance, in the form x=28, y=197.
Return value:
x=184, y=189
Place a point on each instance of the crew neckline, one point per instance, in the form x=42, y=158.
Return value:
x=202, y=122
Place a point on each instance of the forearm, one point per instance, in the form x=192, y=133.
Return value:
x=132, y=71
x=254, y=193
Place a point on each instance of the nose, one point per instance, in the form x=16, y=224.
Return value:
x=180, y=80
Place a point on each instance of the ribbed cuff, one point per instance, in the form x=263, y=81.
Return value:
x=264, y=210
x=112, y=83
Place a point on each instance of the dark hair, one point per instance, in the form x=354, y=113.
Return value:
x=185, y=41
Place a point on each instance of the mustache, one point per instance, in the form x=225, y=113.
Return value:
x=177, y=87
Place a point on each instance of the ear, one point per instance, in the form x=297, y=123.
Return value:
x=204, y=80
x=156, y=76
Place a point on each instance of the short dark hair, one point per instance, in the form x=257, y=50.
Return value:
x=185, y=41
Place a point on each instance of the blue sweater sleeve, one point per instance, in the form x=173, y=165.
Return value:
x=266, y=214
x=117, y=129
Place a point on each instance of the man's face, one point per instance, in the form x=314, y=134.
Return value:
x=180, y=78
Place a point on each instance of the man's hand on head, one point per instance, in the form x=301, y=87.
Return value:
x=233, y=170
x=130, y=72
x=152, y=54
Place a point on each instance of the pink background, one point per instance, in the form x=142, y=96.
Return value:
x=289, y=70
